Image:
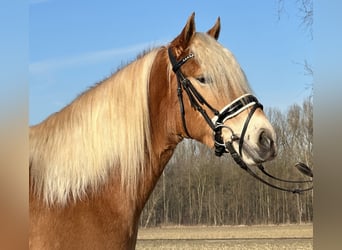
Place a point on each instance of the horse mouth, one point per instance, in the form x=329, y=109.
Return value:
x=255, y=155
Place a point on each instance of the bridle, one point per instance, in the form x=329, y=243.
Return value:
x=197, y=101
x=217, y=123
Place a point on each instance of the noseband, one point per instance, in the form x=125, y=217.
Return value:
x=240, y=104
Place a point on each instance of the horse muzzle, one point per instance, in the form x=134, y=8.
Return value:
x=262, y=149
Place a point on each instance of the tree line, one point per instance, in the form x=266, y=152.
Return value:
x=197, y=187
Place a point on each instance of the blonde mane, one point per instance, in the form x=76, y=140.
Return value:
x=107, y=128
x=227, y=79
x=104, y=129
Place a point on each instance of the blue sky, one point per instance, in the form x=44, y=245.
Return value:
x=75, y=44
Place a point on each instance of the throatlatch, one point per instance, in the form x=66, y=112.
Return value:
x=217, y=123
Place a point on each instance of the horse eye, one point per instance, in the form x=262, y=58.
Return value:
x=201, y=79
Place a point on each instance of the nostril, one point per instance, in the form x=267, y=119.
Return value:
x=265, y=140
x=267, y=143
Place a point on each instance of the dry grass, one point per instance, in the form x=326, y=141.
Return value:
x=227, y=237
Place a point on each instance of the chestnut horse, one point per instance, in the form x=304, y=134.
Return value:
x=94, y=163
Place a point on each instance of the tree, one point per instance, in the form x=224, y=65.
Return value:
x=305, y=13
x=199, y=188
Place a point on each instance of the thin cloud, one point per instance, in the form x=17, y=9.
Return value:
x=85, y=59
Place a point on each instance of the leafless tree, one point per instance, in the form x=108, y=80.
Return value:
x=198, y=187
x=304, y=13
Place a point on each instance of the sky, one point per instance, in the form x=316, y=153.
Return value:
x=75, y=44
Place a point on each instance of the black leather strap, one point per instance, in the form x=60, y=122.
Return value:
x=245, y=126
x=195, y=98
x=236, y=106
x=245, y=167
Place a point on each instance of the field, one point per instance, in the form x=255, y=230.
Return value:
x=227, y=237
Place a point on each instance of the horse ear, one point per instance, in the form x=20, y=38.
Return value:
x=184, y=38
x=215, y=30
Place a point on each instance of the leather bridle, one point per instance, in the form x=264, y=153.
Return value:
x=240, y=104
x=197, y=102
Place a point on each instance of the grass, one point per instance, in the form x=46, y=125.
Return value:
x=227, y=237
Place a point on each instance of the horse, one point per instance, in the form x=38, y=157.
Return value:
x=94, y=163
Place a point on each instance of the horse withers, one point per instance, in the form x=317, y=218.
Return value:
x=94, y=163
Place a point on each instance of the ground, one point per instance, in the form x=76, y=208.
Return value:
x=227, y=237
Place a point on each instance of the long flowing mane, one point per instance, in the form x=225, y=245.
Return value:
x=105, y=128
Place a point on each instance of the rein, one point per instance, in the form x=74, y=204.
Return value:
x=217, y=123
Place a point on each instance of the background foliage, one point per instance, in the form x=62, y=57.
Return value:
x=199, y=188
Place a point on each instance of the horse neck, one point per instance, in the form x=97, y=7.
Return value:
x=165, y=127
x=113, y=207
x=106, y=129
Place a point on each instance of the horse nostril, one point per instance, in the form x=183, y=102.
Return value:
x=265, y=140
x=267, y=143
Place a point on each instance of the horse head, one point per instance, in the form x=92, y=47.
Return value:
x=216, y=106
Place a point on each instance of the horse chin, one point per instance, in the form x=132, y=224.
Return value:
x=251, y=160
